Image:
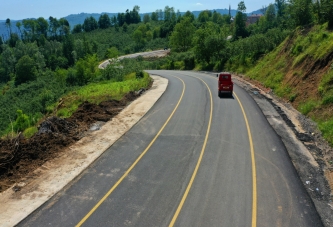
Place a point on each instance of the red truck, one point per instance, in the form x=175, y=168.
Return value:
x=225, y=84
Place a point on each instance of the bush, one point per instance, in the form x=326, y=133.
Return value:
x=22, y=122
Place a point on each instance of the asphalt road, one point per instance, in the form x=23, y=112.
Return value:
x=194, y=160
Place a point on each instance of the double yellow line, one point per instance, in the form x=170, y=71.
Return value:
x=254, y=176
x=254, y=194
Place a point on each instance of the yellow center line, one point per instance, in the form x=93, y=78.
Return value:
x=254, y=173
x=198, y=163
x=134, y=164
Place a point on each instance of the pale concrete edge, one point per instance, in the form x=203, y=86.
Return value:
x=4, y=221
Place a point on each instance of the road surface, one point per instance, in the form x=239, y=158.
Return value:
x=194, y=160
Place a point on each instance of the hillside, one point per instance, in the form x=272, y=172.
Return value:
x=301, y=71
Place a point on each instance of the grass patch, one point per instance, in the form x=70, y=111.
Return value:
x=307, y=107
x=326, y=127
x=102, y=91
x=29, y=132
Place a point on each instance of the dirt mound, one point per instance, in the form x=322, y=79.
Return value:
x=20, y=156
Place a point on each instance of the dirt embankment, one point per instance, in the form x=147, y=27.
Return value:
x=20, y=157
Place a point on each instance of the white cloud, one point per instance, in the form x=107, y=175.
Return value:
x=198, y=4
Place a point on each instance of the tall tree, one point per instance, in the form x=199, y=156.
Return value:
x=146, y=18
x=326, y=12
x=64, y=27
x=280, y=7
x=9, y=26
x=54, y=25
x=181, y=37
x=240, y=22
x=154, y=16
x=270, y=16
x=300, y=12
x=241, y=7
x=90, y=24
x=30, y=27
x=68, y=48
x=42, y=26
x=104, y=21
x=19, y=25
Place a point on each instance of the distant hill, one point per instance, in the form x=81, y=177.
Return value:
x=75, y=19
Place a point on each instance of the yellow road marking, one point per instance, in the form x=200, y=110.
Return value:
x=254, y=174
x=198, y=163
x=134, y=164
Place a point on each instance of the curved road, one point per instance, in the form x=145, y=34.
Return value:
x=194, y=160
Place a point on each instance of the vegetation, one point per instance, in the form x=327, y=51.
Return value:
x=47, y=59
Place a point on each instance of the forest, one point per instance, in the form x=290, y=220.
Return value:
x=48, y=59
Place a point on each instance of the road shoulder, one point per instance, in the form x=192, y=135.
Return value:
x=303, y=142
x=54, y=175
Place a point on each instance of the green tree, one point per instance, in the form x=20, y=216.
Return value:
x=326, y=12
x=146, y=18
x=9, y=26
x=8, y=59
x=86, y=69
x=240, y=22
x=90, y=24
x=54, y=25
x=280, y=7
x=241, y=7
x=68, y=48
x=181, y=37
x=77, y=29
x=189, y=15
x=205, y=16
x=64, y=27
x=112, y=52
x=42, y=26
x=104, y=21
x=209, y=46
x=25, y=70
x=19, y=25
x=30, y=27
x=154, y=16
x=300, y=12
x=13, y=39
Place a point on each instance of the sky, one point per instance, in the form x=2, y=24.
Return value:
x=21, y=9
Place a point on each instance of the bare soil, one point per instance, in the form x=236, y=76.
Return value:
x=20, y=156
